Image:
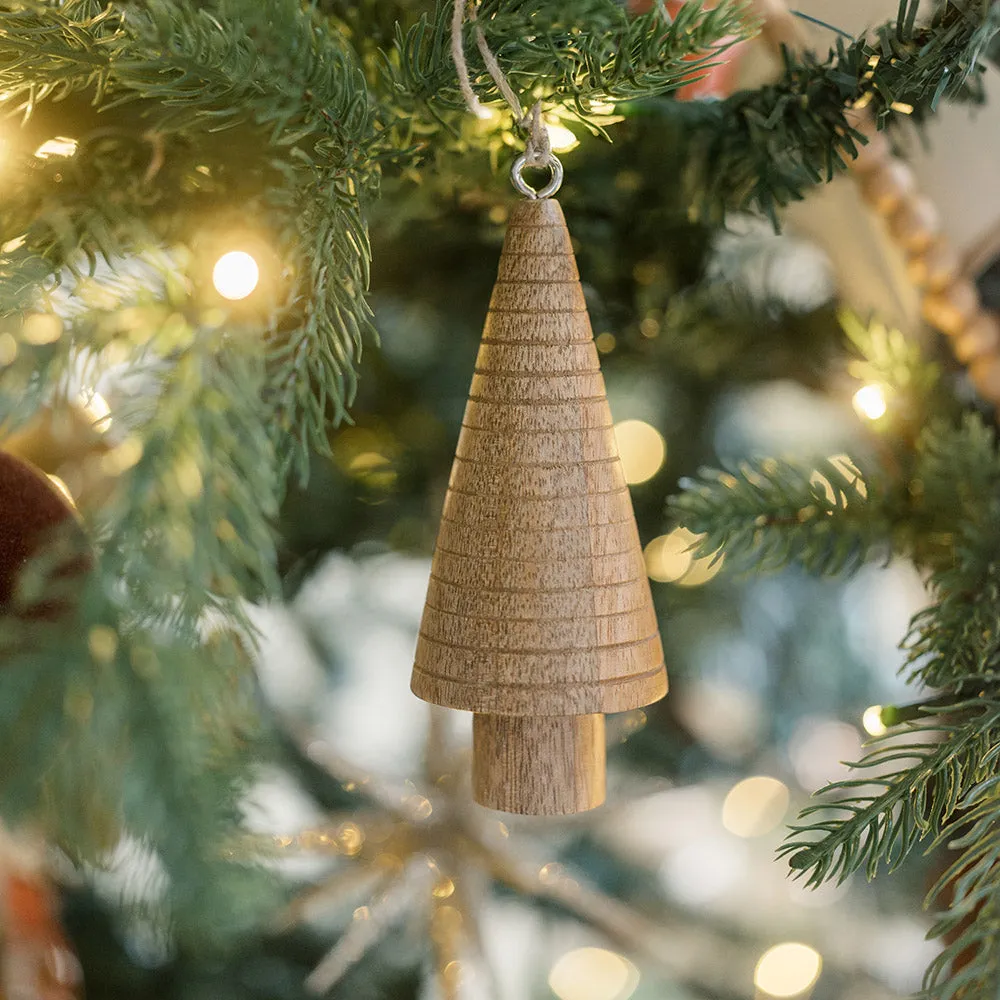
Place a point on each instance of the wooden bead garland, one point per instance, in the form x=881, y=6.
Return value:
x=539, y=617
x=950, y=302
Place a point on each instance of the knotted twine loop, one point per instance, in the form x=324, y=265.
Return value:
x=538, y=147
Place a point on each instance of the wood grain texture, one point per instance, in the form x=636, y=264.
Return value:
x=539, y=601
x=506, y=754
x=539, y=616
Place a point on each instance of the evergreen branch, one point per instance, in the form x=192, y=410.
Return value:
x=589, y=51
x=765, y=148
x=312, y=364
x=924, y=784
x=298, y=91
x=189, y=525
x=970, y=887
x=828, y=519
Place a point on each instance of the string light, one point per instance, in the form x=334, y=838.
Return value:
x=642, y=450
x=95, y=406
x=593, y=974
x=872, y=721
x=561, y=138
x=58, y=146
x=755, y=806
x=668, y=557
x=702, y=570
x=235, y=275
x=41, y=328
x=870, y=401
x=788, y=969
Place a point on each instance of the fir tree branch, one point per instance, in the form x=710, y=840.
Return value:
x=591, y=50
x=923, y=785
x=769, y=514
x=765, y=148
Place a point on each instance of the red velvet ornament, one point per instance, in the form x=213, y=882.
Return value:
x=31, y=508
x=718, y=81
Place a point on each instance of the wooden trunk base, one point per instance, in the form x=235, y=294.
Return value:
x=549, y=765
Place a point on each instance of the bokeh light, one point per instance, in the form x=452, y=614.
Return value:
x=642, y=450
x=593, y=974
x=870, y=401
x=872, y=721
x=819, y=747
x=668, y=557
x=235, y=275
x=702, y=570
x=41, y=328
x=755, y=806
x=561, y=138
x=96, y=408
x=787, y=969
x=60, y=145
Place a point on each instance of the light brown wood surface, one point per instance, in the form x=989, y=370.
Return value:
x=539, y=604
x=506, y=753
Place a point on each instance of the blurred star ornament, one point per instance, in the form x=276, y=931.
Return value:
x=539, y=617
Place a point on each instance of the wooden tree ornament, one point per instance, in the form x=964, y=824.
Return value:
x=539, y=617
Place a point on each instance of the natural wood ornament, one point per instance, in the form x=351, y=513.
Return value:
x=539, y=617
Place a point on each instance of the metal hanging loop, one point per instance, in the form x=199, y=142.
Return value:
x=553, y=185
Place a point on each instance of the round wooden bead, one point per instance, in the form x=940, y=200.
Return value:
x=871, y=156
x=980, y=339
x=886, y=187
x=951, y=309
x=985, y=375
x=915, y=224
x=936, y=268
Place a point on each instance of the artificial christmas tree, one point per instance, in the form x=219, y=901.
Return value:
x=197, y=197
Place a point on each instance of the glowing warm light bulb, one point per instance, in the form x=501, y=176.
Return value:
x=870, y=401
x=755, y=806
x=486, y=114
x=872, y=721
x=668, y=557
x=702, y=571
x=235, y=275
x=96, y=408
x=561, y=138
x=60, y=145
x=642, y=450
x=41, y=328
x=593, y=974
x=787, y=969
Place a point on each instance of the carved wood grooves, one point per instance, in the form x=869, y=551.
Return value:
x=539, y=604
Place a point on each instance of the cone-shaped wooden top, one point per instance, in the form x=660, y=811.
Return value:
x=538, y=602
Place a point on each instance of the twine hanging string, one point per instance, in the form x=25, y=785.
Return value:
x=538, y=147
